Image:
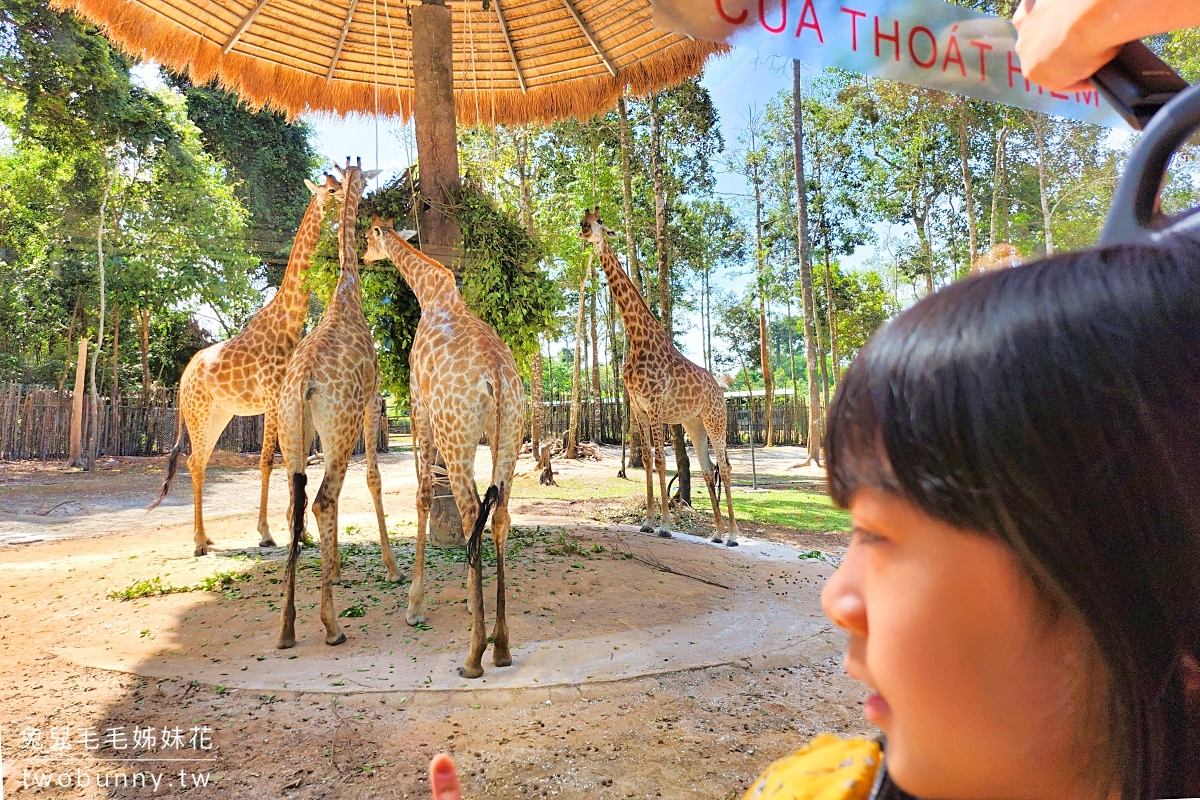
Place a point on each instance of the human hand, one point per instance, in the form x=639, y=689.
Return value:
x=443, y=779
x=1062, y=43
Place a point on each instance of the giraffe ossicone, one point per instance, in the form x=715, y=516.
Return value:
x=665, y=388
x=463, y=387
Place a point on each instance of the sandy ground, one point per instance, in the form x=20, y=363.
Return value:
x=749, y=669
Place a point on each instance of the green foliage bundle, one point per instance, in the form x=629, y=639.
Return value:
x=501, y=280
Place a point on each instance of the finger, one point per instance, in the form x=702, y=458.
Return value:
x=443, y=779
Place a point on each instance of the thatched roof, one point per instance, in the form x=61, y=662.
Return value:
x=338, y=56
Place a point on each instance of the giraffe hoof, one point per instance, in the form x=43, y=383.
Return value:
x=396, y=577
x=267, y=542
x=336, y=640
x=201, y=550
x=663, y=533
x=501, y=657
x=717, y=539
x=286, y=642
x=414, y=619
x=731, y=543
x=469, y=671
x=646, y=528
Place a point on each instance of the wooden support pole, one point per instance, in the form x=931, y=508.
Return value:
x=437, y=160
x=75, y=457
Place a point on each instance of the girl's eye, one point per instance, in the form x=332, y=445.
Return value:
x=865, y=536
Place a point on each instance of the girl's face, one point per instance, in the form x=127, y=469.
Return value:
x=977, y=686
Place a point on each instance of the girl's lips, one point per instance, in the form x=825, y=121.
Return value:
x=876, y=709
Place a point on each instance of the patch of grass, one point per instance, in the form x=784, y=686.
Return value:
x=572, y=488
x=356, y=610
x=564, y=545
x=791, y=508
x=157, y=587
x=152, y=587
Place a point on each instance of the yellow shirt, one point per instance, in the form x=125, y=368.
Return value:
x=828, y=768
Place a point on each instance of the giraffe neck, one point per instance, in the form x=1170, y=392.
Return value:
x=347, y=295
x=641, y=326
x=291, y=301
x=431, y=282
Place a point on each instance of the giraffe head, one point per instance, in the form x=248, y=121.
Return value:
x=352, y=180
x=375, y=247
x=593, y=228
x=328, y=189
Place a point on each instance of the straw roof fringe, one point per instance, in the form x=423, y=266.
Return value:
x=269, y=67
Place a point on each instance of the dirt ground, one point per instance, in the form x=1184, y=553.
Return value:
x=749, y=669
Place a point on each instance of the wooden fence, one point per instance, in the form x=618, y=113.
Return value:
x=744, y=417
x=35, y=423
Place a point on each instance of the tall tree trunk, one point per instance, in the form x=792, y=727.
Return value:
x=1039, y=133
x=792, y=369
x=764, y=348
x=683, y=467
x=115, y=435
x=614, y=355
x=965, y=159
x=706, y=317
x=660, y=218
x=572, y=448
x=998, y=169
x=635, y=270
x=831, y=307
x=144, y=325
x=926, y=252
x=825, y=376
x=597, y=398
x=536, y=388
x=94, y=443
x=804, y=251
x=537, y=392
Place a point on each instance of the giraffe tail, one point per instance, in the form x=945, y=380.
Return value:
x=475, y=543
x=299, y=505
x=172, y=460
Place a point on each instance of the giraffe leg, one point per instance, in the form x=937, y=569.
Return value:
x=266, y=461
x=291, y=424
x=325, y=509
x=423, y=460
x=460, y=469
x=648, y=468
x=202, y=446
x=375, y=484
x=698, y=435
x=715, y=424
x=659, y=444
x=501, y=522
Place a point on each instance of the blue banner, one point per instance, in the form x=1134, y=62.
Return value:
x=922, y=42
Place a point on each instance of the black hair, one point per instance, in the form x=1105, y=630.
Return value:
x=1056, y=406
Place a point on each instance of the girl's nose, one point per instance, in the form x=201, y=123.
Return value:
x=842, y=598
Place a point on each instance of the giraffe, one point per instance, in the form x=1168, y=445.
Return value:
x=241, y=375
x=331, y=388
x=464, y=385
x=665, y=389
